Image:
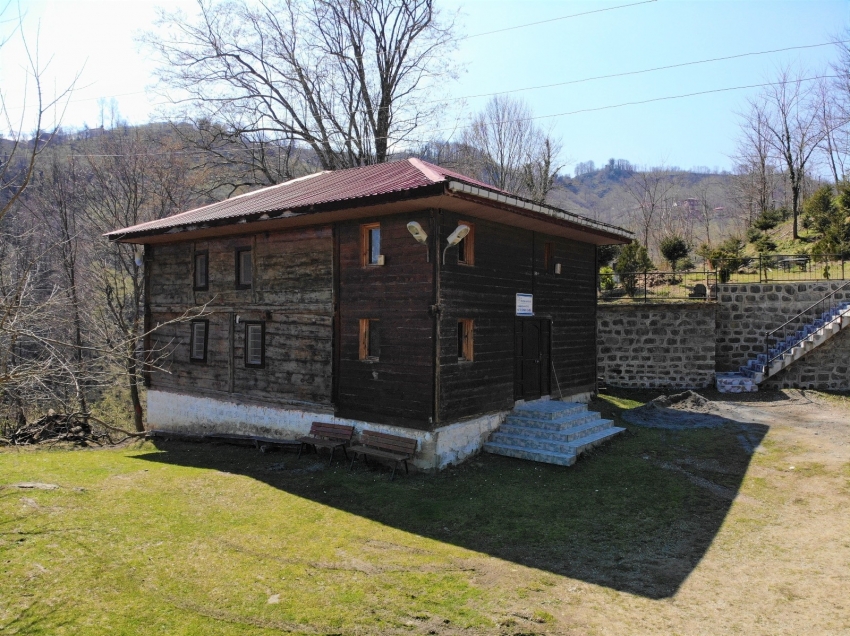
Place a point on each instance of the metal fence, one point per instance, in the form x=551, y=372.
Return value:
x=658, y=286
x=782, y=267
x=702, y=285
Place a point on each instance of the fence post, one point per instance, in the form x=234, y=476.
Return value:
x=842, y=268
x=645, y=284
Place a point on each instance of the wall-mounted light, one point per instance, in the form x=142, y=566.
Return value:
x=557, y=268
x=455, y=237
x=139, y=255
x=421, y=237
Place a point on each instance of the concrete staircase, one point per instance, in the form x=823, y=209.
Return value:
x=552, y=432
x=786, y=351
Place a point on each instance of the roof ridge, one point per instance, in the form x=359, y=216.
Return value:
x=427, y=169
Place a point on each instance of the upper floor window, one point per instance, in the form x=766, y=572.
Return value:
x=370, y=244
x=466, y=248
x=255, y=344
x=244, y=268
x=198, y=340
x=201, y=277
x=370, y=339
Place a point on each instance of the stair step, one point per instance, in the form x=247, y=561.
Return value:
x=567, y=421
x=532, y=441
x=561, y=459
x=589, y=441
x=548, y=409
x=563, y=435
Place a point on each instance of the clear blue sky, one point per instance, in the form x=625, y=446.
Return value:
x=97, y=36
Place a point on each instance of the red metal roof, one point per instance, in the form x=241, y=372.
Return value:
x=314, y=189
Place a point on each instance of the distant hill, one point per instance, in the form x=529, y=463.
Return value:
x=604, y=194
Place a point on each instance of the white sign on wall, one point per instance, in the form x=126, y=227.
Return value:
x=524, y=305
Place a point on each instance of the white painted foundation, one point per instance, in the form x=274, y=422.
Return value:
x=195, y=414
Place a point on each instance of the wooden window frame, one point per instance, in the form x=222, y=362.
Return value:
x=465, y=339
x=239, y=252
x=262, y=326
x=364, y=352
x=469, y=245
x=206, y=285
x=366, y=244
x=206, y=324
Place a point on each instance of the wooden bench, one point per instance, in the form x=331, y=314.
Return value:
x=330, y=436
x=384, y=446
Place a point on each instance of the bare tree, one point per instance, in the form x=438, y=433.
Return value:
x=650, y=190
x=347, y=79
x=19, y=153
x=57, y=198
x=502, y=146
x=833, y=106
x=791, y=129
x=132, y=180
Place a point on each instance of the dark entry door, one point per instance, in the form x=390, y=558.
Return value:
x=531, y=354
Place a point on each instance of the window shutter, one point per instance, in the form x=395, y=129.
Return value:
x=245, y=268
x=254, y=345
x=200, y=271
x=199, y=340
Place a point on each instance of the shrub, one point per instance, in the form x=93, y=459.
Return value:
x=674, y=248
x=633, y=258
x=606, y=278
x=768, y=220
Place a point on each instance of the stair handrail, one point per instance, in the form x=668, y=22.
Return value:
x=784, y=327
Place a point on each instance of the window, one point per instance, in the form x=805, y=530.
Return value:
x=549, y=257
x=370, y=339
x=370, y=244
x=201, y=279
x=255, y=344
x=198, y=341
x=244, y=268
x=466, y=248
x=464, y=340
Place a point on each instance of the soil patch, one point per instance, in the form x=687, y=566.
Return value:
x=679, y=411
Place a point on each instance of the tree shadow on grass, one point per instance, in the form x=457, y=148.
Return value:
x=636, y=515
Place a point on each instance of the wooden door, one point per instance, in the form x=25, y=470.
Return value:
x=531, y=355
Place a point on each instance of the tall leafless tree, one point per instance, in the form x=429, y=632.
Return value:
x=650, y=190
x=504, y=147
x=791, y=128
x=349, y=80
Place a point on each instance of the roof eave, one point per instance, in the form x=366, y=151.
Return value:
x=523, y=206
x=390, y=197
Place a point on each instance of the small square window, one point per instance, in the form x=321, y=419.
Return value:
x=244, y=268
x=466, y=248
x=255, y=344
x=198, y=340
x=370, y=339
x=201, y=274
x=370, y=239
x=464, y=340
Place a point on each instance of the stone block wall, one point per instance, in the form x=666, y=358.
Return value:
x=656, y=345
x=746, y=313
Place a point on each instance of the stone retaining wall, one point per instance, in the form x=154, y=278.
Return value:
x=746, y=313
x=656, y=345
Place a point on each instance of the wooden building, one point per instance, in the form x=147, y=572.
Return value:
x=336, y=297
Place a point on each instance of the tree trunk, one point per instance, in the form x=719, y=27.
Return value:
x=138, y=419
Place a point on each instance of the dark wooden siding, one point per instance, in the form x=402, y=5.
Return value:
x=398, y=388
x=510, y=261
x=291, y=293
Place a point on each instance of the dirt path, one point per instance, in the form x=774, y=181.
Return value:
x=781, y=561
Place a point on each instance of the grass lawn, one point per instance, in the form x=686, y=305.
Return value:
x=180, y=538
